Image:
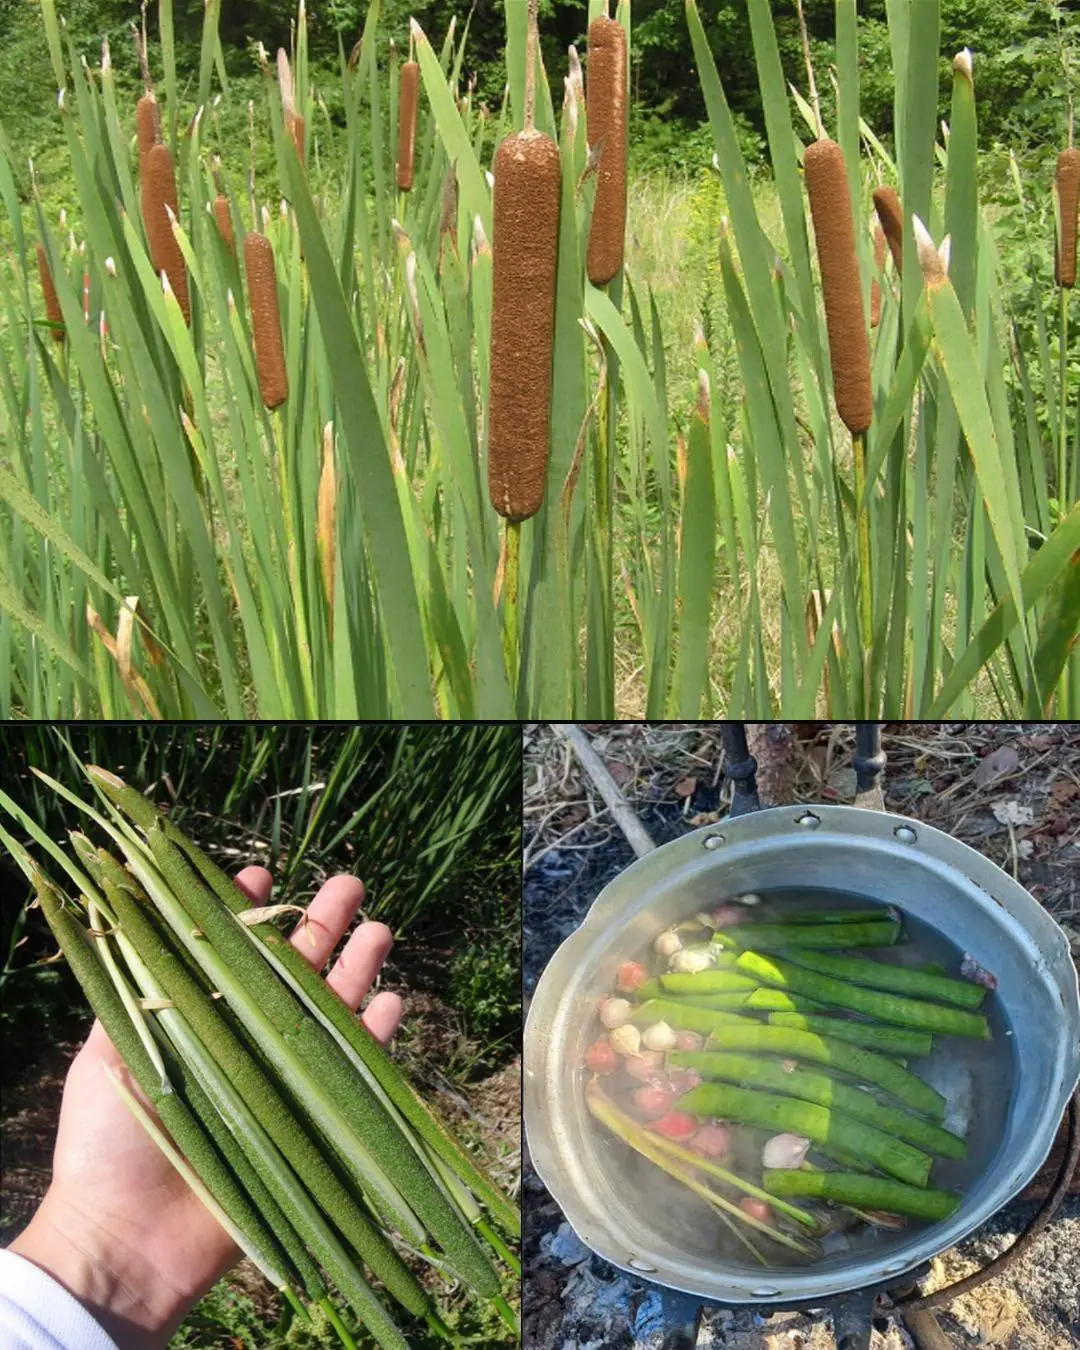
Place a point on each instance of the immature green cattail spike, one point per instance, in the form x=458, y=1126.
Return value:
x=158, y=199
x=875, y=288
x=830, y=206
x=266, y=320
x=408, y=100
x=53, y=312
x=148, y=126
x=528, y=188
x=891, y=215
x=223, y=219
x=1068, y=194
x=606, y=117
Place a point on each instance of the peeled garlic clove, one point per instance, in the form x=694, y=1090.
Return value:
x=667, y=943
x=626, y=1039
x=645, y=1066
x=615, y=1012
x=706, y=920
x=785, y=1151
x=689, y=962
x=659, y=1037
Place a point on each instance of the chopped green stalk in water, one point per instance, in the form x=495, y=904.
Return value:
x=847, y=1188
x=882, y=914
x=866, y=1065
x=685, y=1016
x=779, y=936
x=779, y=1000
x=893, y=979
x=889, y=1040
x=824, y=1091
x=708, y=982
x=905, y=1012
x=817, y=1123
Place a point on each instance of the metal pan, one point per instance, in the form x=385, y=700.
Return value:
x=1009, y=1098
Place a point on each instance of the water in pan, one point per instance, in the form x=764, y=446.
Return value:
x=973, y=1076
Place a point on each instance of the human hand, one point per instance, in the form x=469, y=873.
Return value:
x=119, y=1227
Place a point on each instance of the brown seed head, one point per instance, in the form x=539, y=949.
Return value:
x=53, y=312
x=266, y=319
x=223, y=217
x=891, y=215
x=408, y=100
x=606, y=119
x=875, y=288
x=528, y=184
x=148, y=126
x=1068, y=190
x=830, y=206
x=158, y=192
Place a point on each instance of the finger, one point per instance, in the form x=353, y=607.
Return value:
x=382, y=1016
x=355, y=969
x=256, y=883
x=327, y=920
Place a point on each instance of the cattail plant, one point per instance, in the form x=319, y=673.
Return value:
x=408, y=100
x=148, y=126
x=160, y=207
x=53, y=312
x=295, y=125
x=849, y=345
x=890, y=216
x=223, y=220
x=1068, y=195
x=266, y=320
x=606, y=119
x=879, y=265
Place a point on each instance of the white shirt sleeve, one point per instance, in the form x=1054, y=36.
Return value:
x=37, y=1313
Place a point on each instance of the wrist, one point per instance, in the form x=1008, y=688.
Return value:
x=105, y=1271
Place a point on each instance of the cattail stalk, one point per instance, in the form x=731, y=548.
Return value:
x=890, y=216
x=1068, y=195
x=606, y=117
x=849, y=345
x=408, y=100
x=53, y=312
x=528, y=186
x=158, y=200
x=266, y=320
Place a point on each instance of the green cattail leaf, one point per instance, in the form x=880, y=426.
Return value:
x=696, y=563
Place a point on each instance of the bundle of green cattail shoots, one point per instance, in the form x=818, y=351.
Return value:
x=277, y=1105
x=768, y=1061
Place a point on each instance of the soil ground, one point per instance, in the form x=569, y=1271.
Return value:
x=1010, y=791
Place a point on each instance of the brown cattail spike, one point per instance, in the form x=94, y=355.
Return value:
x=53, y=312
x=159, y=192
x=875, y=285
x=891, y=215
x=528, y=185
x=223, y=217
x=606, y=118
x=408, y=99
x=266, y=320
x=148, y=125
x=830, y=206
x=298, y=130
x=1068, y=192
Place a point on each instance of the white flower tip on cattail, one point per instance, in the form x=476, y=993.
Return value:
x=452, y=29
x=945, y=251
x=106, y=57
x=165, y=282
x=283, y=209
x=217, y=101
x=416, y=31
x=490, y=178
x=480, y=240
x=930, y=261
x=169, y=212
x=265, y=219
x=110, y=266
x=197, y=118
x=962, y=64
x=60, y=99
x=230, y=301
x=63, y=217
x=716, y=163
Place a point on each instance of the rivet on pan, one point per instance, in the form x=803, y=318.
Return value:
x=764, y=1291
x=641, y=1265
x=808, y=820
x=905, y=834
x=713, y=840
